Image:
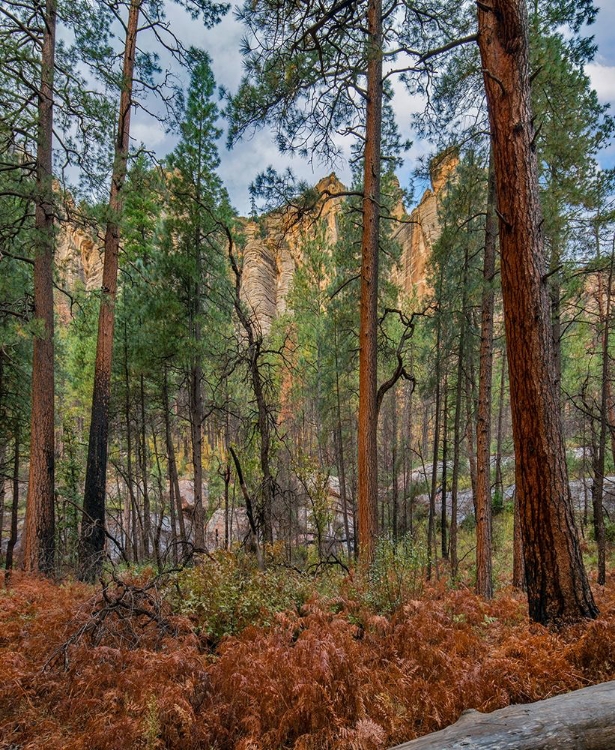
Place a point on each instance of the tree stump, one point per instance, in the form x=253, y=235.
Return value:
x=581, y=720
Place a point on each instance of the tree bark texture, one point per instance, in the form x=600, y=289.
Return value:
x=583, y=719
x=484, y=569
x=557, y=585
x=92, y=541
x=368, y=327
x=431, y=544
x=39, y=545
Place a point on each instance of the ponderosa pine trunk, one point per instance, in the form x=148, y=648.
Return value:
x=92, y=542
x=557, y=586
x=147, y=511
x=444, y=482
x=39, y=545
x=339, y=448
x=368, y=325
x=196, y=432
x=431, y=519
x=484, y=568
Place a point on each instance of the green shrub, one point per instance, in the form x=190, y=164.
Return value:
x=396, y=576
x=227, y=592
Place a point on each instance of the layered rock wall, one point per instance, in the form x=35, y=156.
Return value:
x=274, y=247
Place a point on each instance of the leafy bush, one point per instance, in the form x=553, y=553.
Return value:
x=227, y=592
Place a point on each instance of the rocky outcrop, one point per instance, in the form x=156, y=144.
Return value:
x=79, y=263
x=420, y=230
x=273, y=249
x=273, y=246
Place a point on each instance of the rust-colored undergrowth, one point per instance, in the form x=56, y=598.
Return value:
x=333, y=675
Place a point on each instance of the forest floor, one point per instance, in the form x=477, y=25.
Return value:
x=171, y=661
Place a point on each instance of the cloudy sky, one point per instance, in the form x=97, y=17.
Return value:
x=240, y=166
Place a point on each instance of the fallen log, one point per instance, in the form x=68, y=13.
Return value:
x=581, y=720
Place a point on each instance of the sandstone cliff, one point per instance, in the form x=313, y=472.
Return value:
x=273, y=247
x=79, y=262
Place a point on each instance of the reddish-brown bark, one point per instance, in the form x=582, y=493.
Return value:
x=557, y=586
x=368, y=332
x=93, y=524
x=39, y=546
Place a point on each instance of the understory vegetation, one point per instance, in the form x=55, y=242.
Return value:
x=323, y=476
x=222, y=655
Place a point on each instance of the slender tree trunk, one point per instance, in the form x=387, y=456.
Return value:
x=444, y=484
x=395, y=492
x=457, y=447
x=161, y=504
x=92, y=543
x=339, y=444
x=129, y=470
x=39, y=546
x=600, y=452
x=172, y=515
x=557, y=585
x=368, y=327
x=484, y=568
x=15, y=504
x=408, y=489
x=431, y=541
x=173, y=476
x=264, y=424
x=147, y=518
x=136, y=529
x=249, y=510
x=499, y=479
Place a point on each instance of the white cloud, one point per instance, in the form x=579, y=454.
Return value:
x=148, y=132
x=240, y=166
x=603, y=81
